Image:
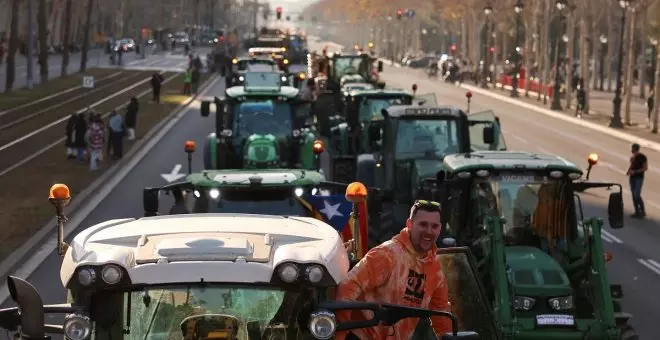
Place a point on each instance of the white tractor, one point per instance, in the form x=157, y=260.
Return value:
x=218, y=276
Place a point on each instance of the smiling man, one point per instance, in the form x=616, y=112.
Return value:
x=404, y=271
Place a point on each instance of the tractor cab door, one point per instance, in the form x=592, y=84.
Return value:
x=485, y=132
x=469, y=302
x=426, y=99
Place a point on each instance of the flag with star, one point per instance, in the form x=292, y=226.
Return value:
x=335, y=210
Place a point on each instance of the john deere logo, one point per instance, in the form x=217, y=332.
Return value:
x=261, y=152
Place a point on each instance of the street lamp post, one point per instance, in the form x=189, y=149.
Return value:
x=556, y=100
x=603, y=47
x=616, y=112
x=654, y=62
x=518, y=8
x=484, y=81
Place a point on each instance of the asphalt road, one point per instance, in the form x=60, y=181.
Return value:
x=97, y=58
x=636, y=258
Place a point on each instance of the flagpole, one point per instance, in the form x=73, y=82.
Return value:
x=355, y=229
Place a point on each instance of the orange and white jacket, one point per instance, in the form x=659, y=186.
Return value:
x=394, y=272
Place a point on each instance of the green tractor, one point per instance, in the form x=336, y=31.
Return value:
x=541, y=262
x=260, y=125
x=341, y=70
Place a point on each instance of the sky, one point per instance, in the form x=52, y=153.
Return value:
x=293, y=5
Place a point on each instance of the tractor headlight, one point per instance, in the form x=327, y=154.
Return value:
x=296, y=133
x=322, y=324
x=86, y=276
x=241, y=78
x=111, y=274
x=561, y=303
x=299, y=192
x=226, y=133
x=284, y=79
x=77, y=327
x=523, y=303
x=314, y=274
x=214, y=193
x=288, y=272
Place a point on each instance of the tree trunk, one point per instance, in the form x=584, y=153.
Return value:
x=13, y=46
x=656, y=108
x=85, y=47
x=42, y=27
x=630, y=66
x=584, y=55
x=528, y=22
x=545, y=61
x=642, y=66
x=569, y=58
x=67, y=38
x=611, y=46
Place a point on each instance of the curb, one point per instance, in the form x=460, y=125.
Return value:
x=655, y=146
x=15, y=259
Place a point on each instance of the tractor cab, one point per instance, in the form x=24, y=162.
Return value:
x=521, y=215
x=223, y=276
x=241, y=66
x=259, y=125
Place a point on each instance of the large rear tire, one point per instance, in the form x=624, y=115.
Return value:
x=382, y=222
x=324, y=108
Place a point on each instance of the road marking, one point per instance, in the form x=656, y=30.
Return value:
x=609, y=237
x=522, y=140
x=650, y=264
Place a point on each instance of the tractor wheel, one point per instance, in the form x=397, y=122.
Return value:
x=382, y=227
x=222, y=154
x=366, y=170
x=628, y=333
x=207, y=153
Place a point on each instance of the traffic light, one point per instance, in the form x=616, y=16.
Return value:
x=453, y=49
x=278, y=10
x=399, y=14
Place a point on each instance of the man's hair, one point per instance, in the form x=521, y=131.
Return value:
x=421, y=205
x=635, y=147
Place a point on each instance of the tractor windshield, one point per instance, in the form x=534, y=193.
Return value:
x=257, y=66
x=537, y=211
x=350, y=65
x=262, y=118
x=273, y=201
x=426, y=138
x=371, y=108
x=220, y=312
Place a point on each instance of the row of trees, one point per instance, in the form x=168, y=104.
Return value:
x=591, y=27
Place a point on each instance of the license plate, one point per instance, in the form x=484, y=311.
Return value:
x=555, y=320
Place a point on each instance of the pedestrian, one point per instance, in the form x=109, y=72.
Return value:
x=156, y=84
x=79, y=131
x=636, y=170
x=187, y=80
x=650, y=104
x=70, y=136
x=195, y=79
x=116, y=125
x=131, y=117
x=95, y=140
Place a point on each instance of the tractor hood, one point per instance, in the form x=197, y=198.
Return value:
x=261, y=152
x=534, y=273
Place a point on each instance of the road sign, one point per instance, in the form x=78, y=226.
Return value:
x=88, y=82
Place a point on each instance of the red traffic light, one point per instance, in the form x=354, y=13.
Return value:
x=399, y=12
x=453, y=47
x=279, y=9
x=414, y=87
x=492, y=49
x=469, y=94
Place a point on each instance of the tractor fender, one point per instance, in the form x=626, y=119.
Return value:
x=339, y=139
x=307, y=155
x=366, y=169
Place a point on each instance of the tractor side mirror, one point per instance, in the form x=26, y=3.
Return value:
x=150, y=201
x=615, y=210
x=380, y=66
x=489, y=134
x=205, y=108
x=374, y=133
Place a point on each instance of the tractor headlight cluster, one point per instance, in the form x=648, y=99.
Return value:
x=77, y=327
x=290, y=272
x=322, y=324
x=523, y=303
x=110, y=274
x=561, y=303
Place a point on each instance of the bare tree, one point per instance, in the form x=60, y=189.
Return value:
x=13, y=46
x=85, y=47
x=570, y=32
x=642, y=65
x=67, y=37
x=584, y=51
x=630, y=66
x=611, y=34
x=42, y=26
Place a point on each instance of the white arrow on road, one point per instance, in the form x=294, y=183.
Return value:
x=174, y=175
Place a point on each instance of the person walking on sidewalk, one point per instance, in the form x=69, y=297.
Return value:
x=131, y=117
x=187, y=82
x=195, y=79
x=156, y=84
x=79, y=131
x=638, y=166
x=70, y=136
x=650, y=104
x=116, y=125
x=95, y=138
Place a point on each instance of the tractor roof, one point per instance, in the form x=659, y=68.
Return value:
x=403, y=111
x=206, y=247
x=380, y=93
x=250, y=178
x=239, y=91
x=507, y=160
